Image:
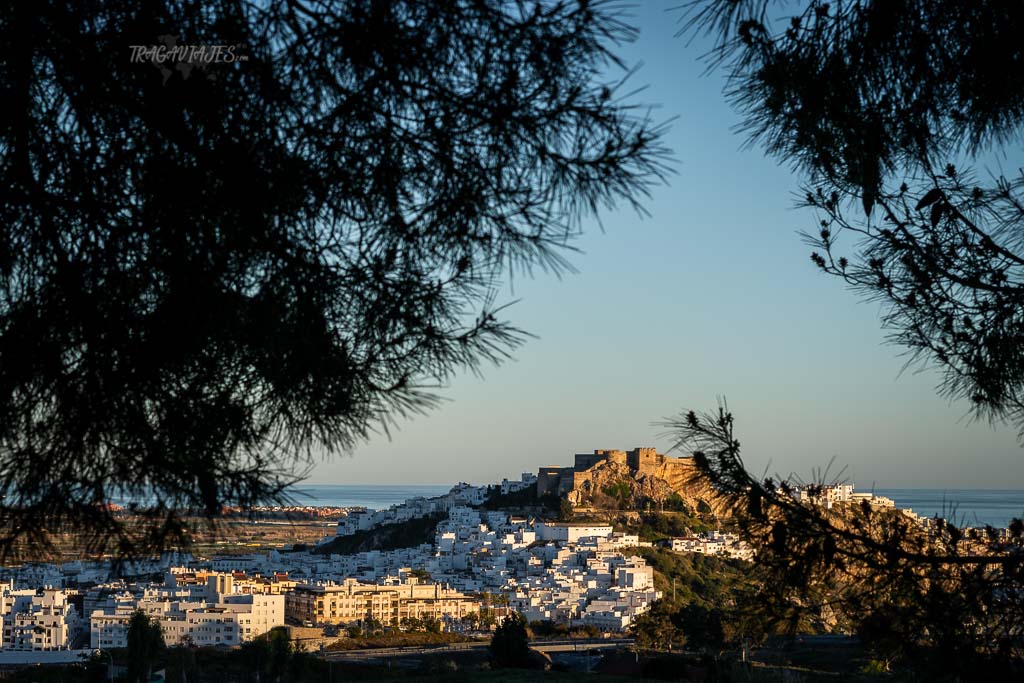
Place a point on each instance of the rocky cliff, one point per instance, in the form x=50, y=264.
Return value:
x=617, y=486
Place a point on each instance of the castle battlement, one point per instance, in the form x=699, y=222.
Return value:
x=642, y=461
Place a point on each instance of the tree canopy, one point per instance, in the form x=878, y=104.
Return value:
x=510, y=644
x=941, y=600
x=857, y=91
x=212, y=272
x=145, y=646
x=885, y=105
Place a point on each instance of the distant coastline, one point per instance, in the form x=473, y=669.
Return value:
x=969, y=507
x=964, y=507
x=374, y=496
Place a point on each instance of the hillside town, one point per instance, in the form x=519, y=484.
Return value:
x=479, y=564
x=545, y=571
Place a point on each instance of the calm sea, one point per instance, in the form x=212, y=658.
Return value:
x=966, y=507
x=973, y=507
x=376, y=496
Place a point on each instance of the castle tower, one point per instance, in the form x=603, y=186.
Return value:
x=645, y=459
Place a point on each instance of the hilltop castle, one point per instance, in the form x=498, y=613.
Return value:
x=641, y=462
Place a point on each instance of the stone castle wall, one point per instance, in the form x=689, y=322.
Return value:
x=549, y=479
x=644, y=460
x=676, y=472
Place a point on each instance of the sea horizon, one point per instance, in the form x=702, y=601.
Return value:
x=963, y=506
x=375, y=496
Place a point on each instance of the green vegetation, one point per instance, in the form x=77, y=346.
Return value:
x=513, y=676
x=662, y=526
x=710, y=603
x=386, y=537
x=510, y=646
x=693, y=578
x=658, y=630
x=675, y=503
x=550, y=629
x=621, y=492
x=525, y=502
x=145, y=646
x=231, y=666
x=274, y=652
x=421, y=574
x=496, y=500
x=653, y=526
x=705, y=628
x=399, y=639
x=416, y=625
x=270, y=658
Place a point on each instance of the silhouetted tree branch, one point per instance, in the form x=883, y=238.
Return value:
x=209, y=273
x=873, y=99
x=856, y=91
x=946, y=262
x=145, y=646
x=930, y=595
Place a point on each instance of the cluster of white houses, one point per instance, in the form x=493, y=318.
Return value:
x=565, y=572
x=38, y=620
x=718, y=543
x=837, y=496
x=562, y=572
x=202, y=615
x=220, y=609
x=461, y=495
x=834, y=495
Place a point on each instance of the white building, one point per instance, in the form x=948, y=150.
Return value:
x=39, y=620
x=636, y=575
x=569, y=532
x=232, y=620
x=528, y=480
x=256, y=614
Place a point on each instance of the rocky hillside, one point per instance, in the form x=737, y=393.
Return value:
x=610, y=485
x=385, y=537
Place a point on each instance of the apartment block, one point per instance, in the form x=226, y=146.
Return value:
x=352, y=601
x=42, y=619
x=232, y=620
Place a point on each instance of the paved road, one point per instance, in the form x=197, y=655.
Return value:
x=550, y=646
x=579, y=645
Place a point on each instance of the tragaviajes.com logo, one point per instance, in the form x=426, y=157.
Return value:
x=168, y=56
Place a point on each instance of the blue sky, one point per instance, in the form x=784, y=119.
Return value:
x=712, y=295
